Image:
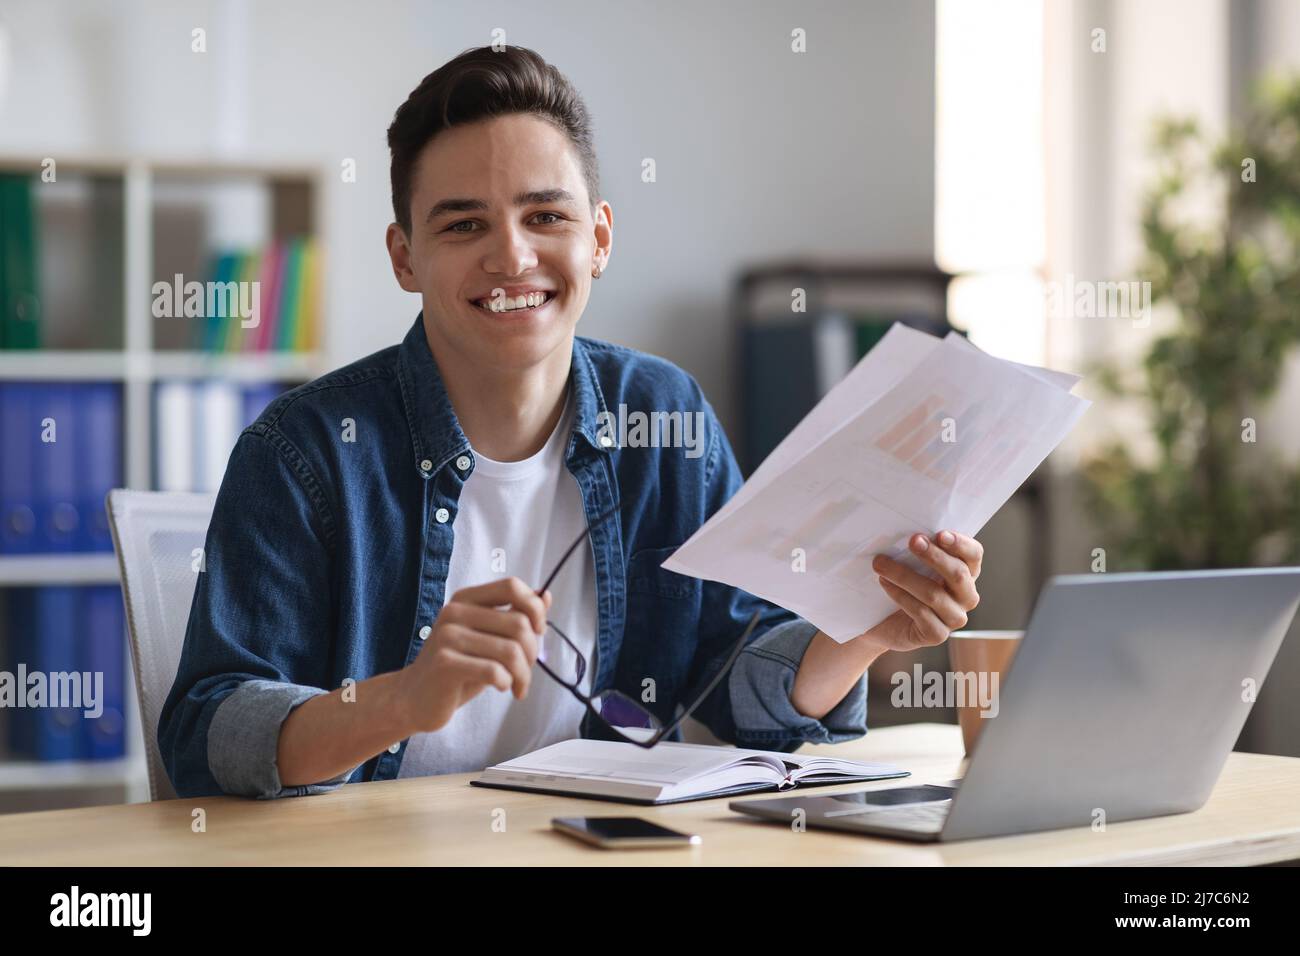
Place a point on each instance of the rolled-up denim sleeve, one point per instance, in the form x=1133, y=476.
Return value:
x=244, y=737
x=260, y=630
x=760, y=685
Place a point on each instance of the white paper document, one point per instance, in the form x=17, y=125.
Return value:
x=925, y=434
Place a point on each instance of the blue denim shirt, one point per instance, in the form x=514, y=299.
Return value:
x=325, y=556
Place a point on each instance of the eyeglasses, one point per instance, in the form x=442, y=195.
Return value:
x=623, y=715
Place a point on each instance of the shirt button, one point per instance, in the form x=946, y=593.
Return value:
x=395, y=747
x=463, y=462
x=442, y=514
x=606, y=441
x=425, y=632
x=426, y=465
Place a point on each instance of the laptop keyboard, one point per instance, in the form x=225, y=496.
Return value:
x=923, y=817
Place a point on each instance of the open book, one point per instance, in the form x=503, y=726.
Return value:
x=669, y=772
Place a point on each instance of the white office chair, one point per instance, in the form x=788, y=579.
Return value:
x=159, y=538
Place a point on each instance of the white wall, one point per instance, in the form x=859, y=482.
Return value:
x=760, y=152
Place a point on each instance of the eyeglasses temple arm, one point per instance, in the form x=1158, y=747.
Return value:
x=577, y=541
x=722, y=672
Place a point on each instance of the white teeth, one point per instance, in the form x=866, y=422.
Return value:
x=506, y=304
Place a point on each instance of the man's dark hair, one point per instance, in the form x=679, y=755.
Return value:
x=479, y=84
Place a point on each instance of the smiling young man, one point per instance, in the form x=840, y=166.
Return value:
x=369, y=608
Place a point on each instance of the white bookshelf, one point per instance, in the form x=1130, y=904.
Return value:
x=109, y=366
x=30, y=775
x=138, y=365
x=39, y=570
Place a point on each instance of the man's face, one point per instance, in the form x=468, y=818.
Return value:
x=499, y=209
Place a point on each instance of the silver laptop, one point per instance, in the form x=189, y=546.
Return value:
x=1123, y=701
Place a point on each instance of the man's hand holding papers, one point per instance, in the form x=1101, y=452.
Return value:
x=924, y=437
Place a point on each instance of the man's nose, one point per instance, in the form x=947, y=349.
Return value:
x=511, y=251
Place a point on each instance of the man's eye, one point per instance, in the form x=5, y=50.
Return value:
x=455, y=227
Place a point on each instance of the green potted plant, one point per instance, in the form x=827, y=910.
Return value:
x=1214, y=493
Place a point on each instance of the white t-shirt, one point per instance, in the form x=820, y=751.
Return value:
x=517, y=518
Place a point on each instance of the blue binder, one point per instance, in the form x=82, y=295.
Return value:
x=20, y=624
x=58, y=519
x=42, y=635
x=103, y=646
x=99, y=440
x=18, y=429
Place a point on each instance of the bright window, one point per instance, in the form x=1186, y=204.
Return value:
x=990, y=207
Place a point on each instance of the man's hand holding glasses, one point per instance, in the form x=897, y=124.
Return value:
x=475, y=644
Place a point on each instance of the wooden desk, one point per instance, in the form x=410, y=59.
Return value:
x=1253, y=817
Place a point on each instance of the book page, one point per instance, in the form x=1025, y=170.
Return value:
x=664, y=764
x=807, y=767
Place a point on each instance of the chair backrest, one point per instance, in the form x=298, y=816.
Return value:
x=159, y=538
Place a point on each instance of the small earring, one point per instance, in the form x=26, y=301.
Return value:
x=595, y=273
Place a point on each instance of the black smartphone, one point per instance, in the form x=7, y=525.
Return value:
x=622, y=833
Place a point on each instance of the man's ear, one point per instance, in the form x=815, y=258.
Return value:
x=603, y=221
x=399, y=253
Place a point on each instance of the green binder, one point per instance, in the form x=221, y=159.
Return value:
x=20, y=302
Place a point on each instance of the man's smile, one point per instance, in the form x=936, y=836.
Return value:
x=524, y=302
